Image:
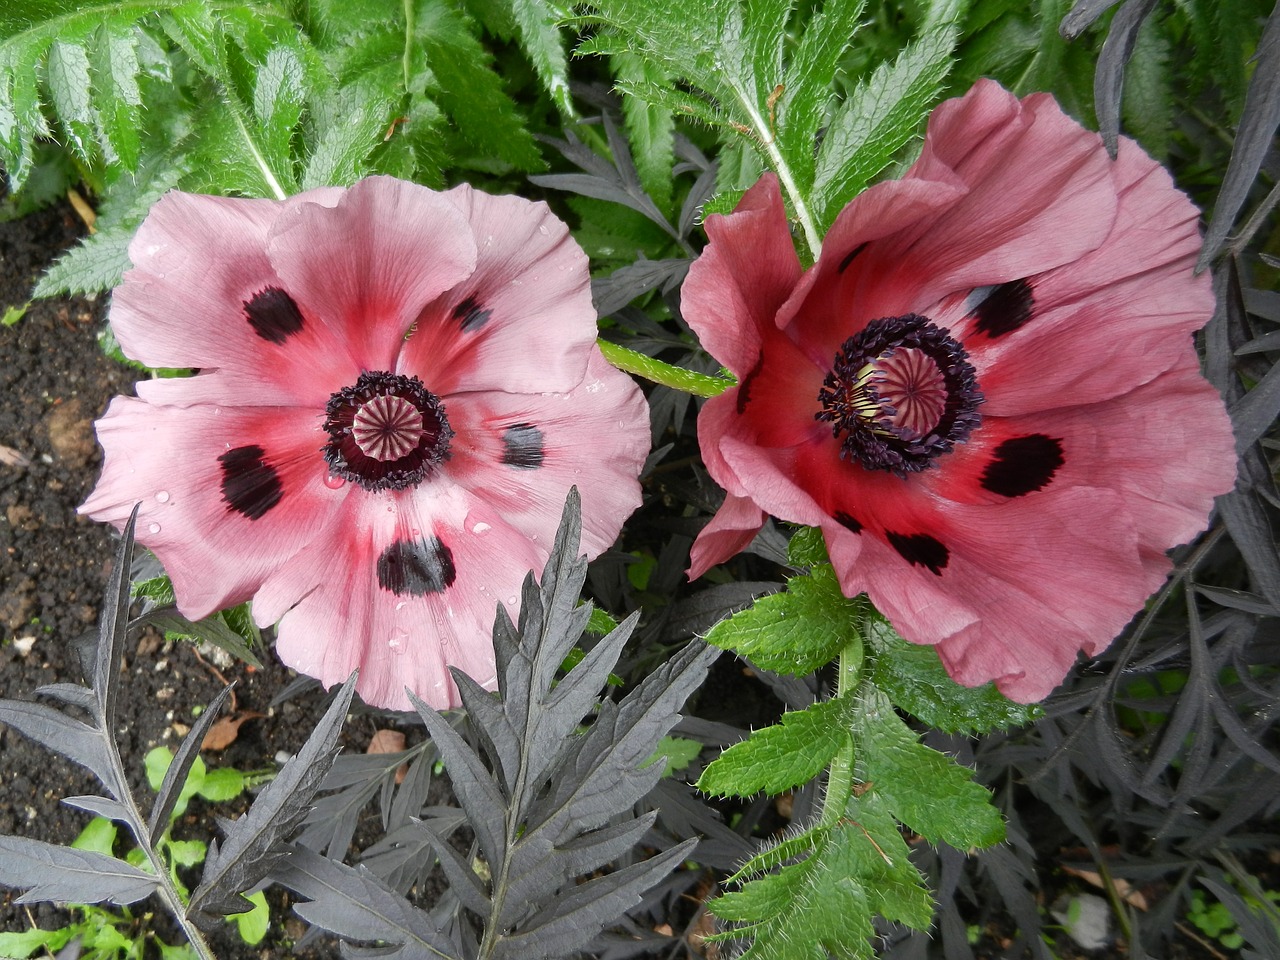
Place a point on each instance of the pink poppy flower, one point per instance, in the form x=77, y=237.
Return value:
x=985, y=392
x=397, y=389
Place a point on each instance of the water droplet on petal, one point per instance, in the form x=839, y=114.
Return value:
x=162, y=496
x=154, y=528
x=332, y=482
x=481, y=528
x=398, y=637
x=402, y=604
x=511, y=600
x=542, y=229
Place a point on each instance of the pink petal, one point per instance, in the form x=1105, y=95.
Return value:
x=746, y=273
x=198, y=261
x=168, y=458
x=366, y=266
x=1138, y=289
x=521, y=453
x=336, y=611
x=523, y=321
x=734, y=526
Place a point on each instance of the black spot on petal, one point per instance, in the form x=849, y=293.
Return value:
x=1006, y=308
x=744, y=388
x=416, y=567
x=849, y=257
x=852, y=524
x=920, y=550
x=523, y=446
x=470, y=315
x=250, y=485
x=1023, y=464
x=273, y=314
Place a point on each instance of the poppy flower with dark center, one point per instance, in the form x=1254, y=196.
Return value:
x=397, y=389
x=985, y=392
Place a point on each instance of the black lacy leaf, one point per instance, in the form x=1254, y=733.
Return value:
x=252, y=843
x=66, y=875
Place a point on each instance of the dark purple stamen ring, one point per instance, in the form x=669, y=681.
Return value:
x=386, y=432
x=866, y=421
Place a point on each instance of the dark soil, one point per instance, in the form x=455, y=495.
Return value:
x=53, y=569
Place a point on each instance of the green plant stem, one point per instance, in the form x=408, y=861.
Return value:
x=840, y=773
x=678, y=378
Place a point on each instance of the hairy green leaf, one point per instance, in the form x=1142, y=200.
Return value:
x=788, y=754
x=795, y=631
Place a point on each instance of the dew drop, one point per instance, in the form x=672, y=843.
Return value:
x=542, y=229
x=154, y=528
x=162, y=496
x=481, y=528
x=398, y=637
x=511, y=600
x=402, y=604
x=332, y=482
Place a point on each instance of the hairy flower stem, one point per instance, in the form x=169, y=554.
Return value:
x=840, y=773
x=678, y=378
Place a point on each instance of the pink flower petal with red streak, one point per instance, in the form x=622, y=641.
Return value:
x=523, y=321
x=402, y=594
x=522, y=452
x=214, y=553
x=1037, y=529
x=366, y=266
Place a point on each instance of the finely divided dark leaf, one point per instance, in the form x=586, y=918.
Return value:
x=580, y=914
x=101, y=807
x=251, y=844
x=211, y=629
x=1108, y=82
x=73, y=739
x=1255, y=136
x=1247, y=522
x=472, y=783
x=113, y=624
x=1083, y=14
x=176, y=776
x=66, y=875
x=355, y=905
x=72, y=694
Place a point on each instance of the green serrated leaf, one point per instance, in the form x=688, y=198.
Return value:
x=25, y=943
x=788, y=754
x=115, y=93
x=878, y=119
x=355, y=130
x=929, y=792
x=650, y=128
x=186, y=853
x=541, y=38
x=278, y=97
x=462, y=80
x=1148, y=103
x=97, y=264
x=807, y=548
x=67, y=74
x=13, y=314
x=913, y=677
x=796, y=631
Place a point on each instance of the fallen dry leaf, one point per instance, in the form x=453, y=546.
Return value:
x=224, y=732
x=1127, y=891
x=389, y=741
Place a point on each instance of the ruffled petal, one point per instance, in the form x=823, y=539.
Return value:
x=735, y=288
x=523, y=321
x=401, y=588
x=1136, y=297
x=734, y=526
x=199, y=263
x=522, y=452
x=226, y=495
x=366, y=266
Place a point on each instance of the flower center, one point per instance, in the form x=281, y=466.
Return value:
x=900, y=393
x=387, y=432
